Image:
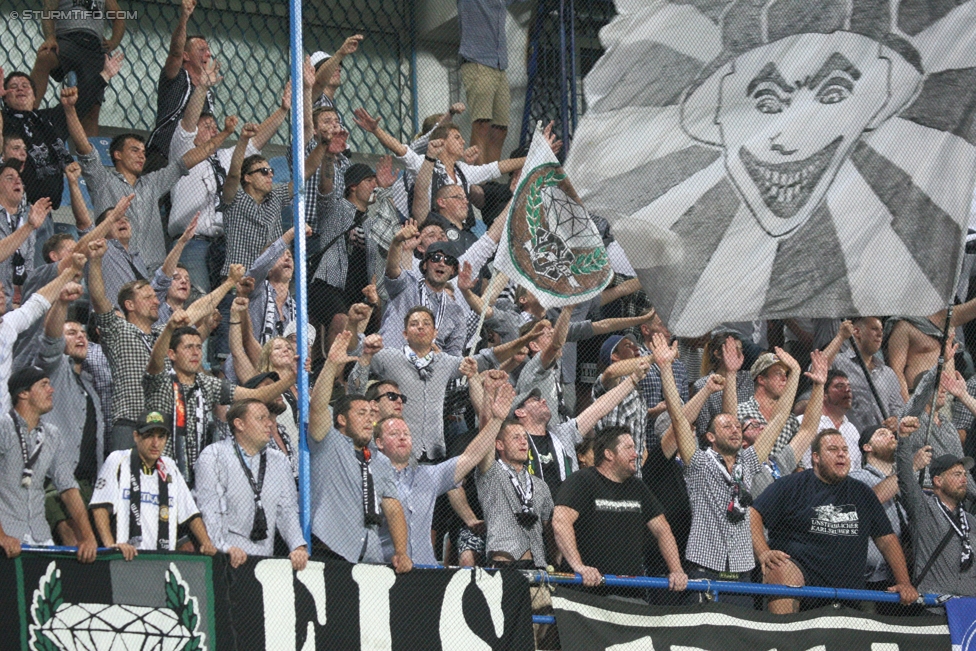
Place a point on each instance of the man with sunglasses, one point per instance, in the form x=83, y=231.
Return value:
x=385, y=400
x=407, y=290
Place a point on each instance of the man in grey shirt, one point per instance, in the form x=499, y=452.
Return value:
x=245, y=490
x=128, y=153
x=350, y=494
x=868, y=334
x=423, y=375
x=938, y=515
x=30, y=452
x=77, y=414
x=419, y=485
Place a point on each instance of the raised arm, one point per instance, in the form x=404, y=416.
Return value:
x=327, y=69
x=844, y=332
x=733, y=359
x=69, y=99
x=96, y=284
x=52, y=290
x=209, y=78
x=157, y=359
x=684, y=435
x=203, y=306
x=54, y=321
x=407, y=232
x=319, y=412
x=368, y=123
x=421, y=185
x=690, y=410
x=606, y=326
x=819, y=365
x=784, y=407
x=497, y=402
x=504, y=352
x=271, y=124
x=118, y=27
x=589, y=417
x=625, y=288
x=898, y=343
x=177, y=43
x=38, y=212
x=199, y=154
x=233, y=180
x=173, y=257
x=79, y=210
x=551, y=352
x=243, y=363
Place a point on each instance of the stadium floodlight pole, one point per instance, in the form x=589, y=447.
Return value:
x=935, y=385
x=301, y=309
x=867, y=376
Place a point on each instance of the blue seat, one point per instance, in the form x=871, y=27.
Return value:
x=280, y=166
x=101, y=146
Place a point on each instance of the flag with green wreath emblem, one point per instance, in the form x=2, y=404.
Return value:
x=549, y=243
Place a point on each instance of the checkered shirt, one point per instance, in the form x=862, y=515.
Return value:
x=715, y=542
x=750, y=409
x=744, y=389
x=251, y=227
x=631, y=412
x=127, y=349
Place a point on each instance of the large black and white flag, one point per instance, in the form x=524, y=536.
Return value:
x=781, y=158
x=591, y=623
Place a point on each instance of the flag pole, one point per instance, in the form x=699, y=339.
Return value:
x=935, y=387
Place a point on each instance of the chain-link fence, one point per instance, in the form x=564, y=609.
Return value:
x=385, y=238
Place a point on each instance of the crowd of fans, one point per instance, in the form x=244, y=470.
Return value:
x=148, y=369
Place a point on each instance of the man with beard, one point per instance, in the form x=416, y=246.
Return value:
x=189, y=395
x=351, y=495
x=818, y=516
x=407, y=289
x=608, y=497
x=878, y=444
x=77, y=412
x=720, y=482
x=942, y=533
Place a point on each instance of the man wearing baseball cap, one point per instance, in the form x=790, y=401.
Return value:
x=942, y=535
x=769, y=374
x=147, y=494
x=34, y=451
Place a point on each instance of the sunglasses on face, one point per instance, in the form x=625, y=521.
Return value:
x=264, y=171
x=392, y=396
x=440, y=257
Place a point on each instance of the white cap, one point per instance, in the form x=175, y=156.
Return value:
x=319, y=57
x=292, y=329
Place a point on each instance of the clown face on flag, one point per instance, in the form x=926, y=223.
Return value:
x=549, y=243
x=786, y=158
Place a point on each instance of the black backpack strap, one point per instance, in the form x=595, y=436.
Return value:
x=935, y=555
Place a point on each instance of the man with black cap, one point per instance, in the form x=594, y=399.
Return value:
x=30, y=452
x=146, y=493
x=942, y=531
x=245, y=489
x=350, y=257
x=406, y=290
